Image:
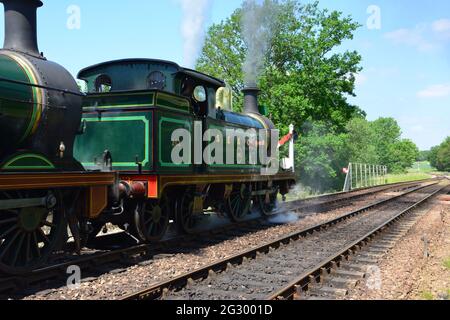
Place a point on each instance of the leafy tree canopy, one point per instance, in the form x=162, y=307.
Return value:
x=306, y=80
x=440, y=156
x=304, y=77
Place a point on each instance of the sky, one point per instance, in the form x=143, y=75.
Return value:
x=405, y=47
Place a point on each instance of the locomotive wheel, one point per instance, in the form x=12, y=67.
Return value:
x=185, y=218
x=28, y=236
x=239, y=202
x=151, y=219
x=267, y=204
x=89, y=239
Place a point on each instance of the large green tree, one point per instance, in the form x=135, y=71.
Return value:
x=305, y=78
x=440, y=156
x=320, y=156
x=360, y=142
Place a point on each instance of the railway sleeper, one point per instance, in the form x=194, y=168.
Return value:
x=343, y=282
x=329, y=293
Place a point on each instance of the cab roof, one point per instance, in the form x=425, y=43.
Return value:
x=86, y=72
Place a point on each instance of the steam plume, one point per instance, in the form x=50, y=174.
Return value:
x=258, y=24
x=195, y=16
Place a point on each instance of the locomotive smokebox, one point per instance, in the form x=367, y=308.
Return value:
x=251, y=93
x=20, y=26
x=40, y=102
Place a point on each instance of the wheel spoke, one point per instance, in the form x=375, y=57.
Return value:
x=9, y=244
x=44, y=236
x=27, y=252
x=150, y=229
x=49, y=224
x=36, y=244
x=159, y=228
x=148, y=221
x=15, y=212
x=18, y=250
x=8, y=232
x=236, y=206
x=5, y=221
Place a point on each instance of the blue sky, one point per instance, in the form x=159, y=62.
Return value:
x=406, y=61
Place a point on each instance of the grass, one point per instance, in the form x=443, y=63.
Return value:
x=419, y=171
x=421, y=167
x=427, y=295
x=406, y=177
x=447, y=263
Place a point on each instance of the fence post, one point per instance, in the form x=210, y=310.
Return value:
x=365, y=176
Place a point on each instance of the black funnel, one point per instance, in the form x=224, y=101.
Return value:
x=20, y=25
x=251, y=93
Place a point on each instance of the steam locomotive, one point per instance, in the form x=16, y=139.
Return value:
x=72, y=160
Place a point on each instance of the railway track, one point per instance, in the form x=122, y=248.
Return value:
x=100, y=263
x=295, y=263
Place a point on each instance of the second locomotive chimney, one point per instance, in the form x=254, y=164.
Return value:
x=20, y=26
x=251, y=92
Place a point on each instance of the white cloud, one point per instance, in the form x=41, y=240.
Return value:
x=411, y=37
x=424, y=37
x=195, y=16
x=384, y=72
x=435, y=91
x=418, y=128
x=442, y=28
x=360, y=79
x=442, y=25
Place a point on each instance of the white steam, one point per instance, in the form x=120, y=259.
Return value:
x=195, y=16
x=284, y=218
x=258, y=25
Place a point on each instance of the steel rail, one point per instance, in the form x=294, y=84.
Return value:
x=320, y=203
x=11, y=283
x=326, y=267
x=157, y=291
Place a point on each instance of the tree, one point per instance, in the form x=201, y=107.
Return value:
x=320, y=156
x=433, y=156
x=386, y=133
x=443, y=156
x=379, y=142
x=404, y=154
x=440, y=156
x=304, y=81
x=423, y=156
x=304, y=78
x=360, y=142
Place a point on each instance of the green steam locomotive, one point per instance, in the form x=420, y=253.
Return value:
x=77, y=160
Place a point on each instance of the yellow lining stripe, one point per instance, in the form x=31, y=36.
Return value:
x=37, y=94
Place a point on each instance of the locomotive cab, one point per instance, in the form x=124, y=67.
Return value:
x=131, y=103
x=132, y=113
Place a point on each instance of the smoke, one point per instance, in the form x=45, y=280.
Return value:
x=195, y=16
x=284, y=218
x=258, y=24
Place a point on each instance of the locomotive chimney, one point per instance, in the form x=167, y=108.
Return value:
x=20, y=26
x=251, y=92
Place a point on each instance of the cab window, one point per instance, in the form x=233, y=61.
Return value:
x=103, y=83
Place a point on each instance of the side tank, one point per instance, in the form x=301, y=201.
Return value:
x=40, y=103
